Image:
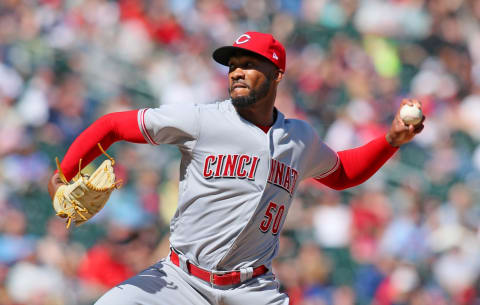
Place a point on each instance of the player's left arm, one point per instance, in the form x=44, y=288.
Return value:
x=106, y=130
x=358, y=164
x=167, y=124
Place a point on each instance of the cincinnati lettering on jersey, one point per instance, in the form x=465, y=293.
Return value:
x=282, y=175
x=230, y=166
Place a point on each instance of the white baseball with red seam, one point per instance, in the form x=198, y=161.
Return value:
x=411, y=115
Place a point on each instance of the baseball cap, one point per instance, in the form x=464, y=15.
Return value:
x=259, y=43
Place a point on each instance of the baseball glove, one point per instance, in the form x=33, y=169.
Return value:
x=86, y=195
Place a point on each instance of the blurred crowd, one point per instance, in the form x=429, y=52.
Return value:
x=410, y=235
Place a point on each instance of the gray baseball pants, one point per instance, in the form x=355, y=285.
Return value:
x=166, y=284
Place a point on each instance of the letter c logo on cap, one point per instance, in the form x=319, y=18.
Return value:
x=243, y=38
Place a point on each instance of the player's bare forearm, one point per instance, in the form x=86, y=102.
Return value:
x=401, y=133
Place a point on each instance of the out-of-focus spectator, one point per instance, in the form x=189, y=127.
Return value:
x=332, y=222
x=57, y=251
x=332, y=225
x=15, y=244
x=370, y=214
x=104, y=265
x=30, y=283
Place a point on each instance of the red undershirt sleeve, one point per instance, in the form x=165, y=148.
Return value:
x=359, y=164
x=106, y=130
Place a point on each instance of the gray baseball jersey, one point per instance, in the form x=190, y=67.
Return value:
x=236, y=181
x=236, y=186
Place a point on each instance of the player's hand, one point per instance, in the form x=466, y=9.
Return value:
x=399, y=132
x=54, y=183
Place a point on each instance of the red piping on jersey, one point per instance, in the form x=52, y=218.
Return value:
x=359, y=164
x=333, y=169
x=144, y=128
x=106, y=130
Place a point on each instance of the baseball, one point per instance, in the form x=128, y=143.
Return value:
x=411, y=115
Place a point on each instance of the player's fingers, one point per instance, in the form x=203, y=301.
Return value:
x=399, y=125
x=423, y=119
x=405, y=101
x=410, y=102
x=403, y=128
x=419, y=128
x=411, y=128
x=417, y=103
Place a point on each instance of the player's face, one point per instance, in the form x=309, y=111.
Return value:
x=250, y=79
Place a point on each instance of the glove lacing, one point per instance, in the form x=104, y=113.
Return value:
x=75, y=207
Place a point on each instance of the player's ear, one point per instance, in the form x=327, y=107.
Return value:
x=278, y=75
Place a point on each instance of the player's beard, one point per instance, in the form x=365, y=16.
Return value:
x=253, y=97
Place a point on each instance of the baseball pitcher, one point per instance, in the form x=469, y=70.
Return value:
x=242, y=161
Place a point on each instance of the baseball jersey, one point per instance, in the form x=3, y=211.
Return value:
x=236, y=181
